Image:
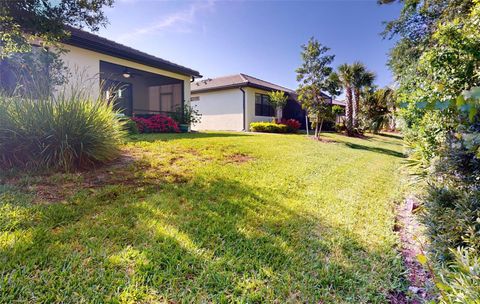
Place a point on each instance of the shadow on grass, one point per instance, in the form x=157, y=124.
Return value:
x=201, y=240
x=391, y=135
x=375, y=149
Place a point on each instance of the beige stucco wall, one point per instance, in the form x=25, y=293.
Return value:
x=84, y=65
x=221, y=110
x=250, y=107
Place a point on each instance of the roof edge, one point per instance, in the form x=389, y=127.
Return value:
x=128, y=53
x=237, y=85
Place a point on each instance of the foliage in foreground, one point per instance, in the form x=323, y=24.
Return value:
x=63, y=132
x=452, y=206
x=436, y=63
x=209, y=218
x=460, y=283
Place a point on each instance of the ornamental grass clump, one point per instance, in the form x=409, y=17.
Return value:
x=68, y=131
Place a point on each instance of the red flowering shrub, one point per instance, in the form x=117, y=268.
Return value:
x=156, y=124
x=292, y=124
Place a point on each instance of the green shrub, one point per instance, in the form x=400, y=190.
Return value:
x=452, y=206
x=452, y=219
x=268, y=127
x=65, y=132
x=460, y=282
x=340, y=127
x=187, y=115
x=131, y=126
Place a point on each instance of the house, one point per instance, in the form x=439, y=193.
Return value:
x=340, y=117
x=231, y=103
x=142, y=84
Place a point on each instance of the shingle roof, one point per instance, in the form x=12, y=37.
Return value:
x=236, y=81
x=99, y=44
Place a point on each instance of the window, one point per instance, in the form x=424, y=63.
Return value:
x=119, y=93
x=164, y=98
x=166, y=102
x=263, y=106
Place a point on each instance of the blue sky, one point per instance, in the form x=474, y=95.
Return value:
x=259, y=38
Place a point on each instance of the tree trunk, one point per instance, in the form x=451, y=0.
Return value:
x=320, y=129
x=279, y=113
x=306, y=124
x=356, y=108
x=393, y=125
x=316, y=127
x=348, y=111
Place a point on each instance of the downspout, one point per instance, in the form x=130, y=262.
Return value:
x=244, y=127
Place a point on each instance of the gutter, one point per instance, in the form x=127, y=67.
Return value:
x=243, y=91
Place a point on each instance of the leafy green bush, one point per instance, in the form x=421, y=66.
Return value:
x=452, y=219
x=423, y=137
x=63, y=132
x=268, y=127
x=452, y=215
x=340, y=127
x=187, y=115
x=452, y=206
x=460, y=282
x=131, y=126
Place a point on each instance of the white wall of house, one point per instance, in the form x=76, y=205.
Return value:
x=84, y=66
x=221, y=110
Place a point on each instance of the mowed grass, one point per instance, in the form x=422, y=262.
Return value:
x=210, y=217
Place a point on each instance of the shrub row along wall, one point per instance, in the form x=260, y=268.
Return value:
x=282, y=126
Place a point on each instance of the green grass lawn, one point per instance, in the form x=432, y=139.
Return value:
x=211, y=217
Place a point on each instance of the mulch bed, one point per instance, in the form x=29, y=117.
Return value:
x=410, y=233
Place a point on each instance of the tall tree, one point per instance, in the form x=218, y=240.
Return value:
x=314, y=79
x=22, y=21
x=361, y=78
x=346, y=76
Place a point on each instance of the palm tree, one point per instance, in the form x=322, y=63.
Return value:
x=379, y=108
x=387, y=98
x=345, y=74
x=361, y=78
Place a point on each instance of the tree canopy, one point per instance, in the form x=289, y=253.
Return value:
x=315, y=77
x=22, y=20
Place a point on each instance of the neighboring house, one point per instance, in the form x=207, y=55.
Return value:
x=340, y=117
x=141, y=83
x=231, y=103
